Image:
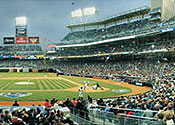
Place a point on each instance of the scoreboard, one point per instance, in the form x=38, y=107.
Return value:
x=21, y=31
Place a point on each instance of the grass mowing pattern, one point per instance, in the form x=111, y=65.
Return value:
x=103, y=84
x=40, y=84
x=51, y=84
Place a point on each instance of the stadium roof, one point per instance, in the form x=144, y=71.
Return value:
x=114, y=18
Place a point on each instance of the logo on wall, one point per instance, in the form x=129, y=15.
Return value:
x=21, y=40
x=120, y=90
x=33, y=40
x=15, y=94
x=9, y=40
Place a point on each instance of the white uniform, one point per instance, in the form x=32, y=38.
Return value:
x=81, y=92
x=94, y=87
x=85, y=86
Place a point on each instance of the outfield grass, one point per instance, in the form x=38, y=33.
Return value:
x=103, y=84
x=39, y=84
x=43, y=84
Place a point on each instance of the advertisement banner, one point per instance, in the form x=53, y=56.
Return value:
x=167, y=30
x=9, y=40
x=5, y=57
x=51, y=45
x=40, y=56
x=33, y=40
x=21, y=40
x=19, y=56
x=25, y=70
x=32, y=57
x=21, y=31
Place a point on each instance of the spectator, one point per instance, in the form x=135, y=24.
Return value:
x=74, y=102
x=160, y=119
x=15, y=104
x=67, y=120
x=47, y=104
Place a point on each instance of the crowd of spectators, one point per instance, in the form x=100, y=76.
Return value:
x=158, y=42
x=9, y=63
x=32, y=116
x=133, y=27
x=52, y=114
x=20, y=50
x=143, y=69
x=160, y=98
x=119, y=30
x=159, y=74
x=149, y=23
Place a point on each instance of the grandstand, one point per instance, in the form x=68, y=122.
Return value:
x=134, y=46
x=22, y=50
x=135, y=49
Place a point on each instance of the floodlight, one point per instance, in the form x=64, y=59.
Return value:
x=76, y=13
x=21, y=21
x=89, y=11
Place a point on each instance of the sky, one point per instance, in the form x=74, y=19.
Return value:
x=48, y=18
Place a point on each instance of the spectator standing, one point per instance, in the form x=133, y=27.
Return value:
x=47, y=104
x=15, y=104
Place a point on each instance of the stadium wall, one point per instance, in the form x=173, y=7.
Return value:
x=15, y=69
x=167, y=8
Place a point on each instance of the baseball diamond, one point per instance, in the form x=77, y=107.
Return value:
x=60, y=87
x=87, y=62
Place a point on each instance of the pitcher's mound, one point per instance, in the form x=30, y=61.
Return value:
x=24, y=83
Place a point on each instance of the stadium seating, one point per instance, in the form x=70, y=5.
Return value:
x=111, y=32
x=17, y=50
x=34, y=64
x=146, y=59
x=149, y=43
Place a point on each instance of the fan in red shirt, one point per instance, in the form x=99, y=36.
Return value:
x=47, y=104
x=130, y=113
x=74, y=102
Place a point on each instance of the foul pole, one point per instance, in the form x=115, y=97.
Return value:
x=45, y=53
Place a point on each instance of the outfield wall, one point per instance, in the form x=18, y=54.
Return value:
x=15, y=69
x=131, y=80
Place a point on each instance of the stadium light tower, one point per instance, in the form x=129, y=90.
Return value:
x=89, y=11
x=83, y=14
x=76, y=13
x=21, y=21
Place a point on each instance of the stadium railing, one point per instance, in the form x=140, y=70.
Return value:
x=95, y=117
x=120, y=119
x=81, y=117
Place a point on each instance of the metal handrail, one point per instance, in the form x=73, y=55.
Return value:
x=135, y=110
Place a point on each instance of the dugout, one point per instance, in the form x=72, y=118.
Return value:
x=12, y=69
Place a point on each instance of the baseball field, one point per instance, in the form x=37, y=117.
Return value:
x=41, y=86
